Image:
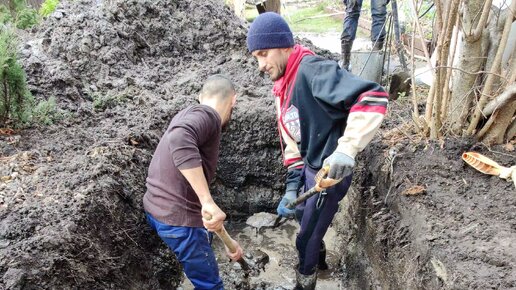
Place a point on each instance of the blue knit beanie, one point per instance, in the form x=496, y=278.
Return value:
x=269, y=30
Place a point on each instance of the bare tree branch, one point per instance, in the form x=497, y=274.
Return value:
x=443, y=50
x=446, y=89
x=415, y=113
x=509, y=95
x=475, y=35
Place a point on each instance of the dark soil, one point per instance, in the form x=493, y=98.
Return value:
x=70, y=194
x=456, y=233
x=70, y=199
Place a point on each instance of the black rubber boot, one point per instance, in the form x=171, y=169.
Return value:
x=346, y=54
x=305, y=282
x=378, y=45
x=322, y=265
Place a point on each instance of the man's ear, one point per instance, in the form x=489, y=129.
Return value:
x=233, y=100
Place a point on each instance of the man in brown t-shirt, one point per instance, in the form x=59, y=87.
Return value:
x=177, y=194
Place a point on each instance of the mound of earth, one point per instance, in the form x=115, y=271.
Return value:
x=70, y=201
x=421, y=218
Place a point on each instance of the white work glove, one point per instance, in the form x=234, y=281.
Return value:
x=341, y=165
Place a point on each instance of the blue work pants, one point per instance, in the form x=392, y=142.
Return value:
x=192, y=247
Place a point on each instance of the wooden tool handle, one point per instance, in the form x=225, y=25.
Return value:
x=224, y=236
x=228, y=241
x=320, y=183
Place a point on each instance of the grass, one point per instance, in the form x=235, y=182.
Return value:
x=298, y=22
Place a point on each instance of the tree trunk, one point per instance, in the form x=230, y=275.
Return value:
x=502, y=121
x=273, y=6
x=471, y=58
x=511, y=131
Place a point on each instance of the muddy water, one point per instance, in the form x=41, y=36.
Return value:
x=279, y=245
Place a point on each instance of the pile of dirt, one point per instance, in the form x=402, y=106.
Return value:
x=70, y=193
x=421, y=218
x=70, y=201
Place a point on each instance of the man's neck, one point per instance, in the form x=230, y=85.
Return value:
x=221, y=109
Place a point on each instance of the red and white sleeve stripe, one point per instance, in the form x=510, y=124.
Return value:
x=364, y=119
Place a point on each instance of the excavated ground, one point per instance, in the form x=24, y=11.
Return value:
x=70, y=193
x=70, y=198
x=420, y=218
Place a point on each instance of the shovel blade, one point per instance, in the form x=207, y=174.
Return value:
x=262, y=219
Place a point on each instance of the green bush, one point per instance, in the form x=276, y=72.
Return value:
x=19, y=14
x=5, y=14
x=48, y=7
x=26, y=18
x=103, y=102
x=15, y=98
x=46, y=112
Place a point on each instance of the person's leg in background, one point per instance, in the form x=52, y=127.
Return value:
x=193, y=250
x=378, y=14
x=349, y=30
x=315, y=220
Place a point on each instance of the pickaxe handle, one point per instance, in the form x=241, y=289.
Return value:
x=320, y=183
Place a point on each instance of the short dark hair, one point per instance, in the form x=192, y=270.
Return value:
x=219, y=86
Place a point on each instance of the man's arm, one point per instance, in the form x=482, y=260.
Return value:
x=195, y=176
x=362, y=102
x=184, y=141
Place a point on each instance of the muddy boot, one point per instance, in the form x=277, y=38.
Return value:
x=346, y=54
x=378, y=45
x=322, y=265
x=305, y=282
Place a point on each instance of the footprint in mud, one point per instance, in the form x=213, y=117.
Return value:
x=278, y=244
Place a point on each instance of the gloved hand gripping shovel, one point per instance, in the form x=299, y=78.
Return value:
x=269, y=220
x=321, y=183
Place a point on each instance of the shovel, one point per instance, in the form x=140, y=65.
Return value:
x=267, y=220
x=321, y=183
x=226, y=239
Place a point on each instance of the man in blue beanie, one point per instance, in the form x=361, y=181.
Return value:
x=326, y=116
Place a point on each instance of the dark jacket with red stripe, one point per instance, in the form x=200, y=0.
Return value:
x=331, y=109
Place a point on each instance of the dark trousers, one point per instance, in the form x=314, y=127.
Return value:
x=378, y=14
x=315, y=216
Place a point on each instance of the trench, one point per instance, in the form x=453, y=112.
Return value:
x=356, y=252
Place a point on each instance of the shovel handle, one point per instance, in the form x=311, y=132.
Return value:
x=321, y=182
x=223, y=235
x=228, y=241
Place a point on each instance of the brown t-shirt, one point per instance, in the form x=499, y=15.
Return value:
x=191, y=140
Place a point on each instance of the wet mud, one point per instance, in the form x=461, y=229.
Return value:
x=70, y=194
x=278, y=245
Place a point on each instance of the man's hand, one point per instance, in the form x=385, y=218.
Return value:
x=341, y=165
x=236, y=255
x=282, y=207
x=212, y=216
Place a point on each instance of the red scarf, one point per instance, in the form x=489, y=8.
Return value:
x=281, y=85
